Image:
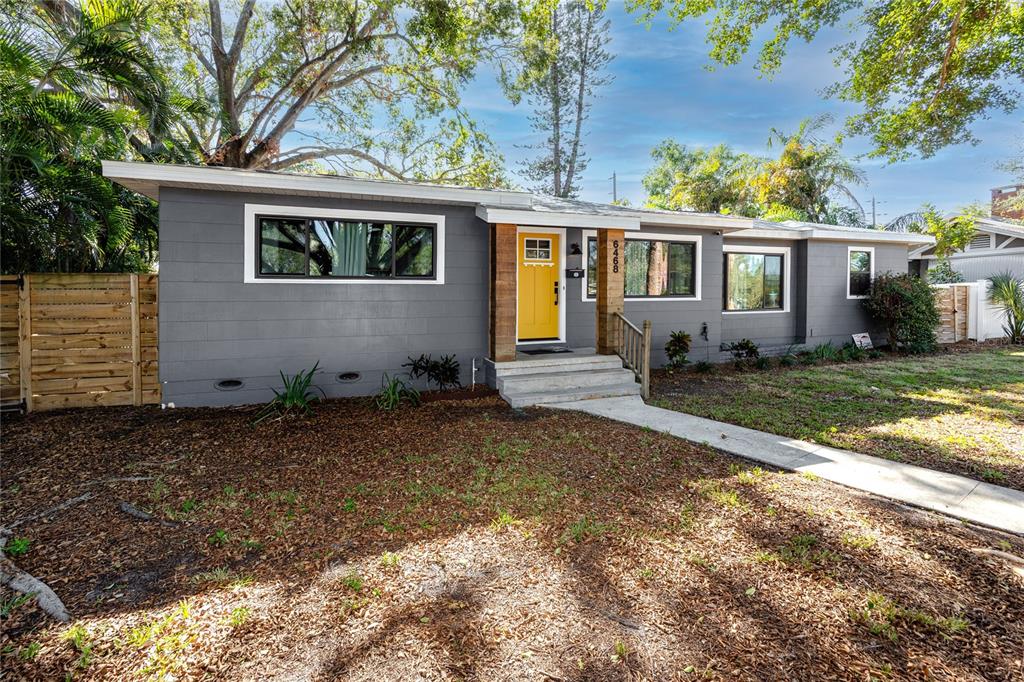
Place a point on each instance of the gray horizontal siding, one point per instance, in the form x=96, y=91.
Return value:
x=831, y=317
x=665, y=316
x=213, y=326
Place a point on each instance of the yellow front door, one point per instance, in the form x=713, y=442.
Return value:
x=538, y=286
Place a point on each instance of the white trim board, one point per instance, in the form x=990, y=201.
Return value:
x=250, y=246
x=147, y=178
x=561, y=283
x=849, y=250
x=655, y=236
x=787, y=268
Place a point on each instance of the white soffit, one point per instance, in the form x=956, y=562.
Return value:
x=148, y=178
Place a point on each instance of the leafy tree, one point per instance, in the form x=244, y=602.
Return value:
x=809, y=176
x=77, y=85
x=715, y=180
x=562, y=97
x=951, y=233
x=921, y=72
x=381, y=79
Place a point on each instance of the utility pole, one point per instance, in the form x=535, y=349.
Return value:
x=873, y=222
x=615, y=188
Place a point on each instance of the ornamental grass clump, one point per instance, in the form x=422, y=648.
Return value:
x=298, y=396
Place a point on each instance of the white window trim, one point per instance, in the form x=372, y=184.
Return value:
x=561, y=280
x=250, y=245
x=787, y=267
x=686, y=238
x=849, y=250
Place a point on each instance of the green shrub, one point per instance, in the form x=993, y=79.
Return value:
x=943, y=273
x=443, y=373
x=905, y=306
x=393, y=392
x=1007, y=292
x=704, y=367
x=743, y=351
x=763, y=362
x=852, y=351
x=676, y=348
x=297, y=396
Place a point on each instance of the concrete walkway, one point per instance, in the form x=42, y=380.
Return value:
x=964, y=498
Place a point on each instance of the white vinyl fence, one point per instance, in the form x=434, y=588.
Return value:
x=984, y=320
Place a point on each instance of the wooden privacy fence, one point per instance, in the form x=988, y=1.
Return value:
x=953, y=301
x=78, y=340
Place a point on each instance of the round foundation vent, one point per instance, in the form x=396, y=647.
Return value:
x=348, y=377
x=229, y=384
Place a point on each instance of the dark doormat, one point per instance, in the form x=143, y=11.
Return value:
x=546, y=351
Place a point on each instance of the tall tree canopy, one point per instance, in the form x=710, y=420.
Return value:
x=810, y=176
x=562, y=96
x=922, y=72
x=77, y=85
x=371, y=86
x=809, y=180
x=715, y=180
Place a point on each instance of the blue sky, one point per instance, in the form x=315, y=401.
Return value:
x=661, y=89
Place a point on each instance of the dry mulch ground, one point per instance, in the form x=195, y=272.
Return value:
x=464, y=540
x=961, y=410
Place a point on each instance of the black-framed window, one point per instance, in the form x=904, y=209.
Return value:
x=653, y=268
x=344, y=249
x=860, y=272
x=753, y=281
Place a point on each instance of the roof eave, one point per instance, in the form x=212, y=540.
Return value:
x=148, y=178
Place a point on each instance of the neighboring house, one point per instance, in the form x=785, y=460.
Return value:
x=997, y=246
x=263, y=272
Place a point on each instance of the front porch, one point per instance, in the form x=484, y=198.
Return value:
x=504, y=301
x=528, y=270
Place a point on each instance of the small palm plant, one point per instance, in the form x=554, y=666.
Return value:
x=1007, y=292
x=297, y=396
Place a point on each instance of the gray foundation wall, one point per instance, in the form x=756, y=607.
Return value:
x=213, y=326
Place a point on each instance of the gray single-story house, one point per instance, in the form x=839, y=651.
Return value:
x=262, y=272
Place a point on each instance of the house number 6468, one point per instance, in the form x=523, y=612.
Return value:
x=615, y=255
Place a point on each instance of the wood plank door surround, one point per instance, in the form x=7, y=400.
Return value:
x=538, y=295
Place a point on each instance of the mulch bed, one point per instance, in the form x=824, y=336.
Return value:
x=466, y=540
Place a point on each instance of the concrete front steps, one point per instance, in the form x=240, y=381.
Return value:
x=561, y=377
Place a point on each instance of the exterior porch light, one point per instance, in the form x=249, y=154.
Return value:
x=575, y=250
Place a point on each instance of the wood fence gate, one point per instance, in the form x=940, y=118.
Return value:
x=953, y=301
x=78, y=340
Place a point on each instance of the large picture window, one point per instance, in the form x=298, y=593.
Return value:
x=653, y=268
x=753, y=281
x=325, y=248
x=861, y=269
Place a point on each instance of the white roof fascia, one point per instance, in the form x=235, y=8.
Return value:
x=871, y=236
x=148, y=177
x=491, y=214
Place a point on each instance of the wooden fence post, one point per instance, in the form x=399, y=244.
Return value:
x=25, y=339
x=136, y=343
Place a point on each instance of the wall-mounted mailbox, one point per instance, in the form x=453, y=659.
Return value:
x=574, y=273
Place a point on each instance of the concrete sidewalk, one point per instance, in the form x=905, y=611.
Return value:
x=964, y=498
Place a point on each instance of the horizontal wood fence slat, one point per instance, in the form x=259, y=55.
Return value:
x=78, y=340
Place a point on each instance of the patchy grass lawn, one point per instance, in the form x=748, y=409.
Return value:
x=961, y=412
x=464, y=540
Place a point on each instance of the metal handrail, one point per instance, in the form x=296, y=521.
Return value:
x=633, y=345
